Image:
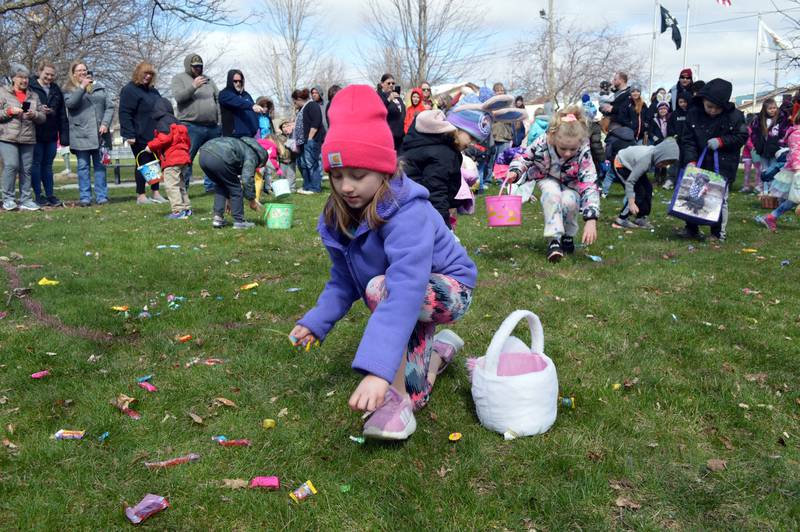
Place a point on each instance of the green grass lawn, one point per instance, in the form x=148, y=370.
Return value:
x=666, y=316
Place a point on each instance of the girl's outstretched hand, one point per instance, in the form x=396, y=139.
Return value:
x=369, y=394
x=589, y=232
x=302, y=336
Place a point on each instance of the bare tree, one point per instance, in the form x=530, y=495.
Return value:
x=330, y=71
x=425, y=39
x=583, y=58
x=289, y=47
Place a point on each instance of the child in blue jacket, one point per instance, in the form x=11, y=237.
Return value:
x=390, y=248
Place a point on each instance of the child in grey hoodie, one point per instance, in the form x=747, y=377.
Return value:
x=631, y=165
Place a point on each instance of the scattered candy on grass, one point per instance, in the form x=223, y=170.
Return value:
x=357, y=439
x=616, y=386
x=191, y=457
x=147, y=386
x=568, y=402
x=40, y=374
x=303, y=492
x=272, y=483
x=146, y=378
x=185, y=338
x=103, y=437
x=121, y=308
x=268, y=424
x=150, y=505
x=249, y=286
x=64, y=434
x=595, y=258
x=44, y=281
x=455, y=436
x=344, y=488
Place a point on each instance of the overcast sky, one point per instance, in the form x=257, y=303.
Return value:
x=721, y=40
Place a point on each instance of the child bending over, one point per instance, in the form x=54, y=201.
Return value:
x=389, y=247
x=171, y=144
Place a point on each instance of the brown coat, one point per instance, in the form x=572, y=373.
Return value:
x=15, y=128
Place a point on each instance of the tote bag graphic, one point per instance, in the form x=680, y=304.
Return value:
x=699, y=194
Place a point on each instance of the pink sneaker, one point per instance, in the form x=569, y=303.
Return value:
x=769, y=221
x=392, y=421
x=447, y=344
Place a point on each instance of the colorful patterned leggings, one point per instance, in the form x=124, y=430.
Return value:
x=446, y=300
x=560, y=209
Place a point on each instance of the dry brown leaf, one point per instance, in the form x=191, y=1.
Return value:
x=624, y=502
x=443, y=471
x=716, y=464
x=433, y=416
x=3, y=400
x=283, y=412
x=122, y=401
x=726, y=366
x=225, y=402
x=760, y=378
x=10, y=428
x=621, y=484
x=234, y=483
x=594, y=456
x=727, y=443
x=197, y=419
x=8, y=444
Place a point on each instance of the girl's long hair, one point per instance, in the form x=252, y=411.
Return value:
x=339, y=215
x=762, y=115
x=139, y=72
x=72, y=81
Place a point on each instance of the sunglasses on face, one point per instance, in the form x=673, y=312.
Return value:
x=684, y=77
x=238, y=81
x=426, y=90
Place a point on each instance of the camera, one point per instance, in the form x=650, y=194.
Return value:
x=26, y=106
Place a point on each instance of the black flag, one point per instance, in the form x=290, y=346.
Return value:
x=668, y=21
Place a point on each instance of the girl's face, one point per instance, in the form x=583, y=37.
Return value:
x=414, y=99
x=661, y=92
x=772, y=110
x=683, y=104
x=567, y=147
x=636, y=95
x=356, y=186
x=80, y=71
x=662, y=112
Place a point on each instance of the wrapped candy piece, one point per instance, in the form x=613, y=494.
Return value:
x=69, y=434
x=151, y=504
x=191, y=457
x=235, y=443
x=303, y=492
x=147, y=386
x=185, y=338
x=40, y=374
x=272, y=483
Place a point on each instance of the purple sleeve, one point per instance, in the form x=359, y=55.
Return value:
x=335, y=300
x=408, y=244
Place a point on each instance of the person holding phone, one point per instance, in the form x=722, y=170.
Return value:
x=197, y=97
x=90, y=110
x=20, y=112
x=389, y=92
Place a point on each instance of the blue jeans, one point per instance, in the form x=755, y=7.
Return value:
x=42, y=169
x=608, y=180
x=309, y=166
x=784, y=207
x=199, y=135
x=85, y=157
x=484, y=172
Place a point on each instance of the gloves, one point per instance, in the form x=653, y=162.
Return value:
x=714, y=143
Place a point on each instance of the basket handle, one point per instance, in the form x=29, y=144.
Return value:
x=506, y=183
x=136, y=159
x=505, y=330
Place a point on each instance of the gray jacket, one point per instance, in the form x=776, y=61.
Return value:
x=16, y=129
x=86, y=112
x=639, y=159
x=199, y=106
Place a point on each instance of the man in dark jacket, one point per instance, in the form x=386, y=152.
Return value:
x=55, y=128
x=239, y=111
x=714, y=123
x=431, y=158
x=618, y=110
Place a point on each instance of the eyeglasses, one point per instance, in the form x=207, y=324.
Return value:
x=389, y=82
x=685, y=77
x=238, y=81
x=426, y=90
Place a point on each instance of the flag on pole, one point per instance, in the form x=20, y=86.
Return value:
x=775, y=42
x=726, y=3
x=668, y=21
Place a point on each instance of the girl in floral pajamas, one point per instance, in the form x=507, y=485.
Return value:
x=560, y=163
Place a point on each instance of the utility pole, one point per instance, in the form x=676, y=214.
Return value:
x=777, y=59
x=686, y=36
x=653, y=45
x=551, y=50
x=755, y=64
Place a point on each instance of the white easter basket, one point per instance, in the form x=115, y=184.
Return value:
x=520, y=405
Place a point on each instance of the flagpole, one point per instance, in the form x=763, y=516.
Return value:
x=755, y=65
x=686, y=40
x=653, y=46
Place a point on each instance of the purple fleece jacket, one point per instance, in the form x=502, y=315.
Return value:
x=412, y=244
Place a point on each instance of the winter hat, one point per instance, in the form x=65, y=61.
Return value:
x=686, y=72
x=662, y=104
x=196, y=60
x=636, y=87
x=588, y=106
x=476, y=122
x=433, y=123
x=359, y=136
x=667, y=150
x=717, y=91
x=485, y=93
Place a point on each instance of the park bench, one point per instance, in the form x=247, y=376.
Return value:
x=121, y=157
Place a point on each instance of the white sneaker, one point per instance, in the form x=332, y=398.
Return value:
x=29, y=205
x=305, y=192
x=10, y=205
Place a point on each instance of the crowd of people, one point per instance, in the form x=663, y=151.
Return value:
x=401, y=171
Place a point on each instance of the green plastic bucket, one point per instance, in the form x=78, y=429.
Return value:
x=278, y=215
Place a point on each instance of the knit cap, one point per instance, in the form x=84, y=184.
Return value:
x=359, y=136
x=433, y=122
x=686, y=72
x=475, y=121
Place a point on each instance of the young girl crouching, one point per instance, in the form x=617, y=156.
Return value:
x=560, y=163
x=391, y=248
